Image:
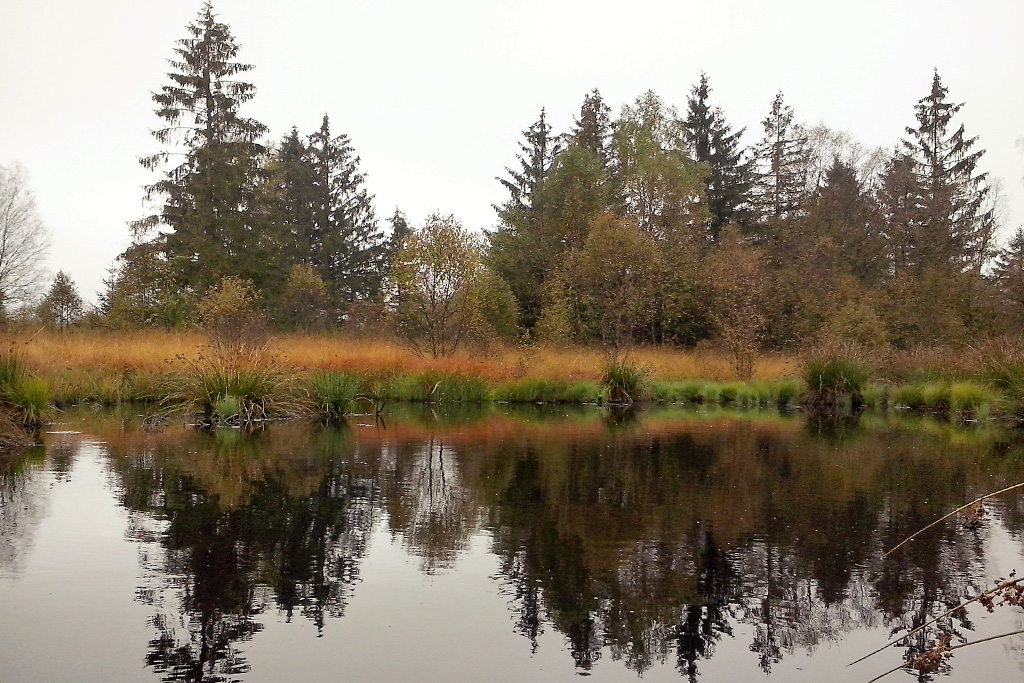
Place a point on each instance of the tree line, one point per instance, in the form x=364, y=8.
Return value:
x=653, y=226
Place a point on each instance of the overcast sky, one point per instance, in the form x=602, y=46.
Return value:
x=434, y=95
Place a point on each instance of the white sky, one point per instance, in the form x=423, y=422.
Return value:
x=434, y=95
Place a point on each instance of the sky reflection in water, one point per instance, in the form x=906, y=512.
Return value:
x=493, y=544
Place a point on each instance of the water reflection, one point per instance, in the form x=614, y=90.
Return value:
x=648, y=539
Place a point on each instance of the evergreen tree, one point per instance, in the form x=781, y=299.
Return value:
x=63, y=305
x=291, y=178
x=209, y=199
x=712, y=142
x=780, y=168
x=345, y=241
x=519, y=249
x=901, y=220
x=594, y=128
x=1008, y=276
x=539, y=152
x=955, y=196
x=841, y=221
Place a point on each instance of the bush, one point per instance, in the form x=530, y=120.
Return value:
x=231, y=313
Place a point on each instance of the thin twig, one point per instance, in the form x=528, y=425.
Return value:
x=989, y=592
x=945, y=517
x=955, y=647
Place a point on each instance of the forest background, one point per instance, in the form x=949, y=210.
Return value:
x=652, y=225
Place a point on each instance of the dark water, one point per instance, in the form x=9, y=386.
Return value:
x=501, y=545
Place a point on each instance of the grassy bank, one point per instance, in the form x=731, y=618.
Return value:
x=332, y=375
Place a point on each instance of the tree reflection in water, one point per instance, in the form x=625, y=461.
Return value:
x=645, y=540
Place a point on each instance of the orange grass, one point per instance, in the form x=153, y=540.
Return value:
x=151, y=351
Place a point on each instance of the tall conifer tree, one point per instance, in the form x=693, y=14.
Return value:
x=781, y=164
x=209, y=199
x=346, y=242
x=955, y=196
x=713, y=143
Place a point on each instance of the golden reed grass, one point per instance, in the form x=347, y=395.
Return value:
x=151, y=351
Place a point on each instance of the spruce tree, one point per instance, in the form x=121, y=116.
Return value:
x=209, y=198
x=780, y=169
x=346, y=242
x=63, y=305
x=712, y=142
x=594, y=128
x=518, y=250
x=1008, y=276
x=539, y=151
x=955, y=196
x=291, y=178
x=901, y=220
x=841, y=221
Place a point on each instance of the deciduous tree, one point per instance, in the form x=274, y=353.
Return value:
x=23, y=237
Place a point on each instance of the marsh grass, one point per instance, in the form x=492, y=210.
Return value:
x=623, y=379
x=836, y=377
x=24, y=398
x=333, y=394
x=970, y=401
x=245, y=381
x=546, y=390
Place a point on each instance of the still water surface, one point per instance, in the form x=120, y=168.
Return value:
x=495, y=544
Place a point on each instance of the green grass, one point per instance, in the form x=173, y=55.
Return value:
x=30, y=401
x=435, y=387
x=835, y=379
x=909, y=396
x=972, y=401
x=24, y=398
x=623, y=381
x=210, y=386
x=936, y=397
x=546, y=390
x=334, y=393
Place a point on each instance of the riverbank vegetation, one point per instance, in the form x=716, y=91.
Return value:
x=328, y=376
x=651, y=254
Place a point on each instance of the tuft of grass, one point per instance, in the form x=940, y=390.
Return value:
x=876, y=395
x=333, y=393
x=909, y=396
x=30, y=401
x=247, y=376
x=623, y=381
x=834, y=378
x=788, y=392
x=936, y=397
x=971, y=401
x=23, y=397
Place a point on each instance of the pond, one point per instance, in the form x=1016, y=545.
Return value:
x=501, y=544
